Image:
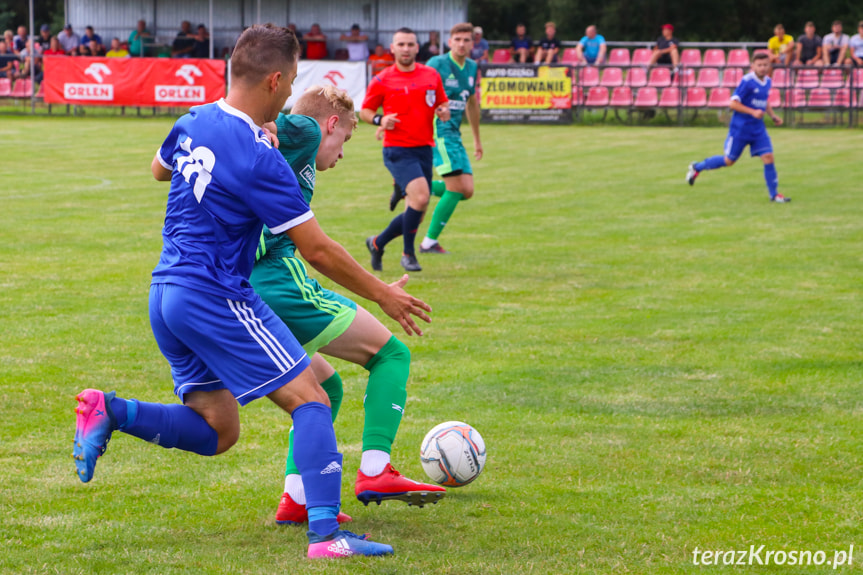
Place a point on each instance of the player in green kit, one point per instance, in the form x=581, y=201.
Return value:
x=311, y=138
x=459, y=75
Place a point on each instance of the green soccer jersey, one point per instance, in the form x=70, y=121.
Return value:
x=459, y=82
x=299, y=140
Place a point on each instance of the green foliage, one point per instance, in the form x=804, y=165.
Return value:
x=7, y=16
x=653, y=367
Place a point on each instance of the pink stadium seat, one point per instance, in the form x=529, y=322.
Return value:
x=857, y=78
x=5, y=87
x=832, y=78
x=843, y=98
x=820, y=98
x=695, y=98
x=714, y=57
x=761, y=51
x=40, y=93
x=570, y=56
x=577, y=96
x=686, y=77
x=641, y=56
x=636, y=78
x=806, y=79
x=621, y=97
x=619, y=57
x=708, y=78
x=597, y=97
x=795, y=98
x=589, y=76
x=646, y=97
x=670, y=98
x=720, y=98
x=23, y=88
x=738, y=57
x=612, y=77
x=774, y=99
x=781, y=78
x=659, y=77
x=731, y=77
x=500, y=56
x=691, y=57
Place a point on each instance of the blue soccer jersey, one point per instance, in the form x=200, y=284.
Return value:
x=753, y=93
x=227, y=182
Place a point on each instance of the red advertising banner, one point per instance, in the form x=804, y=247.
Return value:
x=133, y=81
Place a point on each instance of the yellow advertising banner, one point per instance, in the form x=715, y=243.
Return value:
x=526, y=94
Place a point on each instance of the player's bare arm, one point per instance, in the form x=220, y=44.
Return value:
x=776, y=119
x=473, y=114
x=332, y=260
x=160, y=172
x=442, y=112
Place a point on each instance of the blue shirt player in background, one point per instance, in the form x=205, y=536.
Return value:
x=749, y=104
x=224, y=345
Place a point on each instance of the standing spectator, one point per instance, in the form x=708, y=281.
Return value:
x=358, y=44
x=116, y=50
x=381, y=59
x=7, y=60
x=521, y=46
x=138, y=39
x=667, y=49
x=835, y=45
x=781, y=46
x=86, y=47
x=55, y=48
x=430, y=48
x=549, y=47
x=184, y=42
x=202, y=43
x=69, y=40
x=316, y=43
x=591, y=48
x=479, y=52
x=809, y=47
x=20, y=40
x=856, y=46
x=45, y=36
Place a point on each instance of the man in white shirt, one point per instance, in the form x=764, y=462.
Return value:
x=357, y=43
x=69, y=40
x=856, y=46
x=835, y=46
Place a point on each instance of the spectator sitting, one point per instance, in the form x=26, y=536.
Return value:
x=856, y=46
x=7, y=60
x=591, y=48
x=202, y=43
x=45, y=36
x=430, y=48
x=479, y=52
x=521, y=46
x=20, y=40
x=358, y=44
x=138, y=39
x=835, y=45
x=666, y=51
x=381, y=59
x=9, y=38
x=549, y=47
x=184, y=42
x=316, y=43
x=86, y=47
x=293, y=28
x=116, y=50
x=809, y=47
x=69, y=40
x=781, y=46
x=24, y=72
x=55, y=48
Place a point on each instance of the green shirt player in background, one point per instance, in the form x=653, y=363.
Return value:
x=312, y=138
x=459, y=75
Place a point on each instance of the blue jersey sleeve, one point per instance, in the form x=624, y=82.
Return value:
x=742, y=91
x=276, y=198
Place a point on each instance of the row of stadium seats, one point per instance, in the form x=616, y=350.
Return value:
x=696, y=97
x=714, y=57
x=661, y=77
x=22, y=88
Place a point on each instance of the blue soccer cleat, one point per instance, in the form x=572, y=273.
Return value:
x=344, y=544
x=95, y=423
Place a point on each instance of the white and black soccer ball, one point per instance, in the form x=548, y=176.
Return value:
x=453, y=454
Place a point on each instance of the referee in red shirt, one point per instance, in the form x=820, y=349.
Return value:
x=411, y=94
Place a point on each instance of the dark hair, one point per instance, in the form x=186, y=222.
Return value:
x=760, y=56
x=461, y=28
x=405, y=30
x=837, y=22
x=262, y=50
x=810, y=23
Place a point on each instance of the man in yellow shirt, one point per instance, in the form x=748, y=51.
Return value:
x=116, y=50
x=781, y=46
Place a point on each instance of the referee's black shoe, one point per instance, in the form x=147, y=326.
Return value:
x=377, y=255
x=410, y=263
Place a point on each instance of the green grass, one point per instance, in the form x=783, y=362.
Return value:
x=653, y=367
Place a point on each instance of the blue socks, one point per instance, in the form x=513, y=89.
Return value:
x=411, y=224
x=711, y=163
x=771, y=178
x=167, y=425
x=320, y=465
x=394, y=230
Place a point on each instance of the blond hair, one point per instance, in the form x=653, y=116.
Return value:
x=321, y=102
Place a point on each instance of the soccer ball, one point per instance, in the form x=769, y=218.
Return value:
x=453, y=454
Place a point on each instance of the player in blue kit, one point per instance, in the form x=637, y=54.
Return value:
x=224, y=345
x=749, y=104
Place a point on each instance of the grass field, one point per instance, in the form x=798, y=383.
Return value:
x=654, y=367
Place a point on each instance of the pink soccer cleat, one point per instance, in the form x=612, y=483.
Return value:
x=95, y=423
x=390, y=484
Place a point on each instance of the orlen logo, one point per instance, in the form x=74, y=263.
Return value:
x=180, y=93
x=334, y=76
x=100, y=91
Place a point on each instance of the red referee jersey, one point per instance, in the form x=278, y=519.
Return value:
x=414, y=96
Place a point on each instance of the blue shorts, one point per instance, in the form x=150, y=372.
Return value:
x=408, y=164
x=216, y=343
x=759, y=143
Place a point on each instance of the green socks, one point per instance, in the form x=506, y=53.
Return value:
x=438, y=188
x=442, y=213
x=386, y=394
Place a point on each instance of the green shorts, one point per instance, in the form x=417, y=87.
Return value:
x=450, y=155
x=315, y=315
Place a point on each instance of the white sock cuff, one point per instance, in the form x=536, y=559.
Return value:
x=294, y=488
x=373, y=462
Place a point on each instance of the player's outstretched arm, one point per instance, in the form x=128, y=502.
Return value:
x=160, y=172
x=332, y=260
x=473, y=115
